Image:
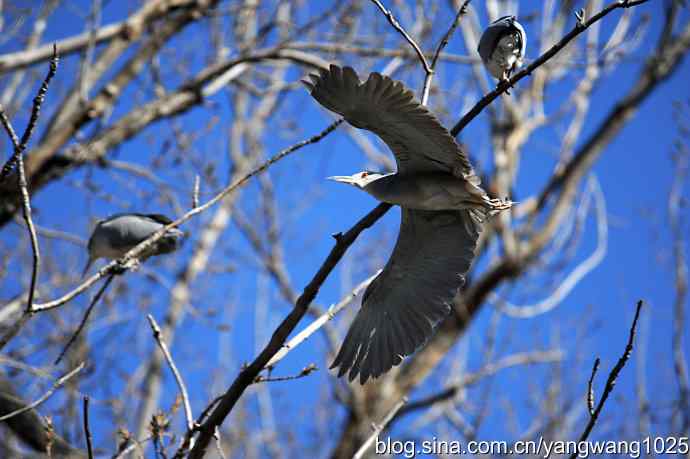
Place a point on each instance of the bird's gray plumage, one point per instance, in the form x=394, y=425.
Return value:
x=502, y=46
x=442, y=208
x=403, y=305
x=118, y=234
x=384, y=106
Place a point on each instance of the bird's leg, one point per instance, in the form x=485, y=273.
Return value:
x=121, y=268
x=505, y=80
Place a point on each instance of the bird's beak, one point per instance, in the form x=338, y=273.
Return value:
x=342, y=179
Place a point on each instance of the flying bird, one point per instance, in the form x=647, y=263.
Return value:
x=118, y=234
x=502, y=47
x=442, y=210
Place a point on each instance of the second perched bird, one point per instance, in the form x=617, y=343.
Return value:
x=502, y=47
x=442, y=208
x=118, y=234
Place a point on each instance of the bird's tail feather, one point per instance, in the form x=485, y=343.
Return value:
x=370, y=345
x=380, y=337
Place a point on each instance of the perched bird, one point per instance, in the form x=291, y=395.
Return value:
x=502, y=47
x=442, y=209
x=119, y=233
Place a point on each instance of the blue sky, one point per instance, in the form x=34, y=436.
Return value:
x=634, y=172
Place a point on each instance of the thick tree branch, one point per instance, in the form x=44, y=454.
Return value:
x=29, y=427
x=248, y=375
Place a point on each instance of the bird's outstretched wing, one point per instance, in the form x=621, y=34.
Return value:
x=384, y=106
x=401, y=307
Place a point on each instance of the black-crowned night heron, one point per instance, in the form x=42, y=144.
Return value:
x=118, y=234
x=442, y=208
x=502, y=47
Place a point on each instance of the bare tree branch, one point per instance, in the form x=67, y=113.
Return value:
x=396, y=25
x=505, y=85
x=176, y=373
x=247, y=376
x=612, y=378
x=18, y=159
x=87, y=430
x=29, y=426
x=378, y=428
x=442, y=44
x=56, y=385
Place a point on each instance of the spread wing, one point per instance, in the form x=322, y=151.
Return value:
x=415, y=136
x=403, y=305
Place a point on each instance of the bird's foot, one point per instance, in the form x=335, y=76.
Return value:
x=505, y=81
x=119, y=269
x=496, y=205
x=489, y=207
x=129, y=265
x=134, y=264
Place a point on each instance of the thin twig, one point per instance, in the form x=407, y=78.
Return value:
x=35, y=250
x=590, y=390
x=171, y=363
x=190, y=432
x=126, y=450
x=306, y=371
x=507, y=84
x=144, y=245
x=490, y=369
x=18, y=159
x=10, y=131
x=195, y=192
x=442, y=44
x=379, y=428
x=216, y=437
x=611, y=380
x=396, y=25
x=56, y=385
x=319, y=322
x=87, y=431
x=20, y=146
x=85, y=318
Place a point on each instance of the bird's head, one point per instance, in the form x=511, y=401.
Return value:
x=171, y=241
x=360, y=179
